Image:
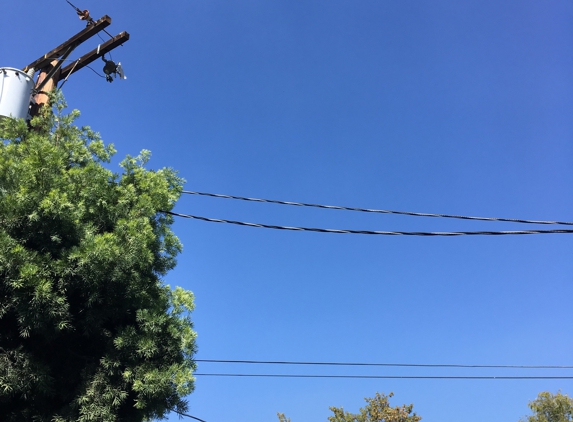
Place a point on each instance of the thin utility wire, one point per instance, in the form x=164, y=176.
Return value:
x=417, y=365
x=109, y=52
x=415, y=214
x=385, y=233
x=188, y=416
x=75, y=7
x=68, y=75
x=431, y=377
x=89, y=67
x=94, y=71
x=57, y=57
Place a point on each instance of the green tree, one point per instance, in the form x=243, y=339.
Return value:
x=88, y=330
x=549, y=407
x=377, y=409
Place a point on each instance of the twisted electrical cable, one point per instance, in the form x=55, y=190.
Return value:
x=371, y=232
x=379, y=211
x=188, y=416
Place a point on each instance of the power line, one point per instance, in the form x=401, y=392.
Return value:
x=188, y=416
x=415, y=214
x=417, y=365
x=432, y=377
x=89, y=67
x=94, y=71
x=386, y=233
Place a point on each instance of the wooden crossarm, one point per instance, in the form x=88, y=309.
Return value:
x=76, y=40
x=88, y=58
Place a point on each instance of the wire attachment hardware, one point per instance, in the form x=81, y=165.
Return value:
x=112, y=70
x=84, y=15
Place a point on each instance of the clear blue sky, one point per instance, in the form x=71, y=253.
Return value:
x=460, y=107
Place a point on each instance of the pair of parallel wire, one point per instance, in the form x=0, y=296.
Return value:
x=394, y=233
x=401, y=365
x=378, y=211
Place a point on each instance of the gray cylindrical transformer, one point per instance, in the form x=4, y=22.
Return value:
x=15, y=92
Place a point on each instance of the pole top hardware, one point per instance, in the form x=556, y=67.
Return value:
x=51, y=65
x=76, y=40
x=112, y=70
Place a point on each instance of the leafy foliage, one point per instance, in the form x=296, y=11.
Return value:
x=88, y=331
x=377, y=409
x=551, y=408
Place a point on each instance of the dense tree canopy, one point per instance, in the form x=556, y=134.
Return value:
x=377, y=409
x=88, y=330
x=549, y=407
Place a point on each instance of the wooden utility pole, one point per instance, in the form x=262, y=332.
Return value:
x=44, y=86
x=50, y=64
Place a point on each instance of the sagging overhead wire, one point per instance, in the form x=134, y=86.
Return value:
x=419, y=377
x=372, y=232
x=96, y=72
x=379, y=211
x=410, y=377
x=416, y=365
x=188, y=416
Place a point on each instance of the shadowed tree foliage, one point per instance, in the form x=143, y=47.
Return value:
x=377, y=409
x=548, y=407
x=88, y=330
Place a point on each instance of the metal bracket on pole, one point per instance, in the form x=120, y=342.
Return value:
x=88, y=58
x=54, y=69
